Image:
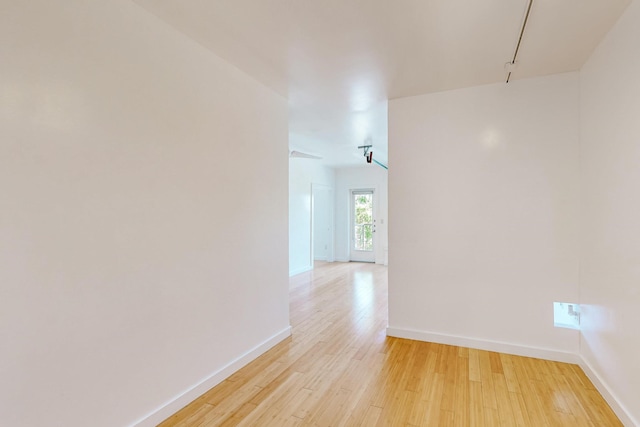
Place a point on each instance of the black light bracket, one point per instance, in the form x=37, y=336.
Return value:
x=367, y=154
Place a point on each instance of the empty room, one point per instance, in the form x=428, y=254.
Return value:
x=323, y=213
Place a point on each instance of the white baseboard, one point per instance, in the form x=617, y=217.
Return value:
x=300, y=270
x=183, y=399
x=324, y=259
x=497, y=346
x=621, y=411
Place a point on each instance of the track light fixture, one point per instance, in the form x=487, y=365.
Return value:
x=510, y=66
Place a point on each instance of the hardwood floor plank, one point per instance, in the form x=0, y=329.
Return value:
x=188, y=416
x=476, y=410
x=486, y=374
x=496, y=363
x=510, y=373
x=474, y=365
x=462, y=407
x=372, y=416
x=505, y=410
x=520, y=415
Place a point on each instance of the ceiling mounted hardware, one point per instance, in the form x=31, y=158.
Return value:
x=301, y=155
x=509, y=66
x=367, y=154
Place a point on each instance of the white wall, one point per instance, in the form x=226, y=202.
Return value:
x=361, y=177
x=143, y=214
x=303, y=173
x=484, y=215
x=322, y=219
x=610, y=267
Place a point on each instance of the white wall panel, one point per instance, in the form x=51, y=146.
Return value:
x=610, y=172
x=143, y=214
x=483, y=198
x=303, y=174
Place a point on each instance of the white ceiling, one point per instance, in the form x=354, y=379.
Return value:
x=339, y=61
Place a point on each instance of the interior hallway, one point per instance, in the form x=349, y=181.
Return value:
x=339, y=369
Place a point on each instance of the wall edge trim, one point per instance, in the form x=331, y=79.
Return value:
x=180, y=401
x=488, y=345
x=611, y=398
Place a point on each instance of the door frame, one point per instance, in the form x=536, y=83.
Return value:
x=374, y=198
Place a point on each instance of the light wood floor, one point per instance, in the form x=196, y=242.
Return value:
x=339, y=369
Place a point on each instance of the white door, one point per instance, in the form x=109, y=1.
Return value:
x=363, y=226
